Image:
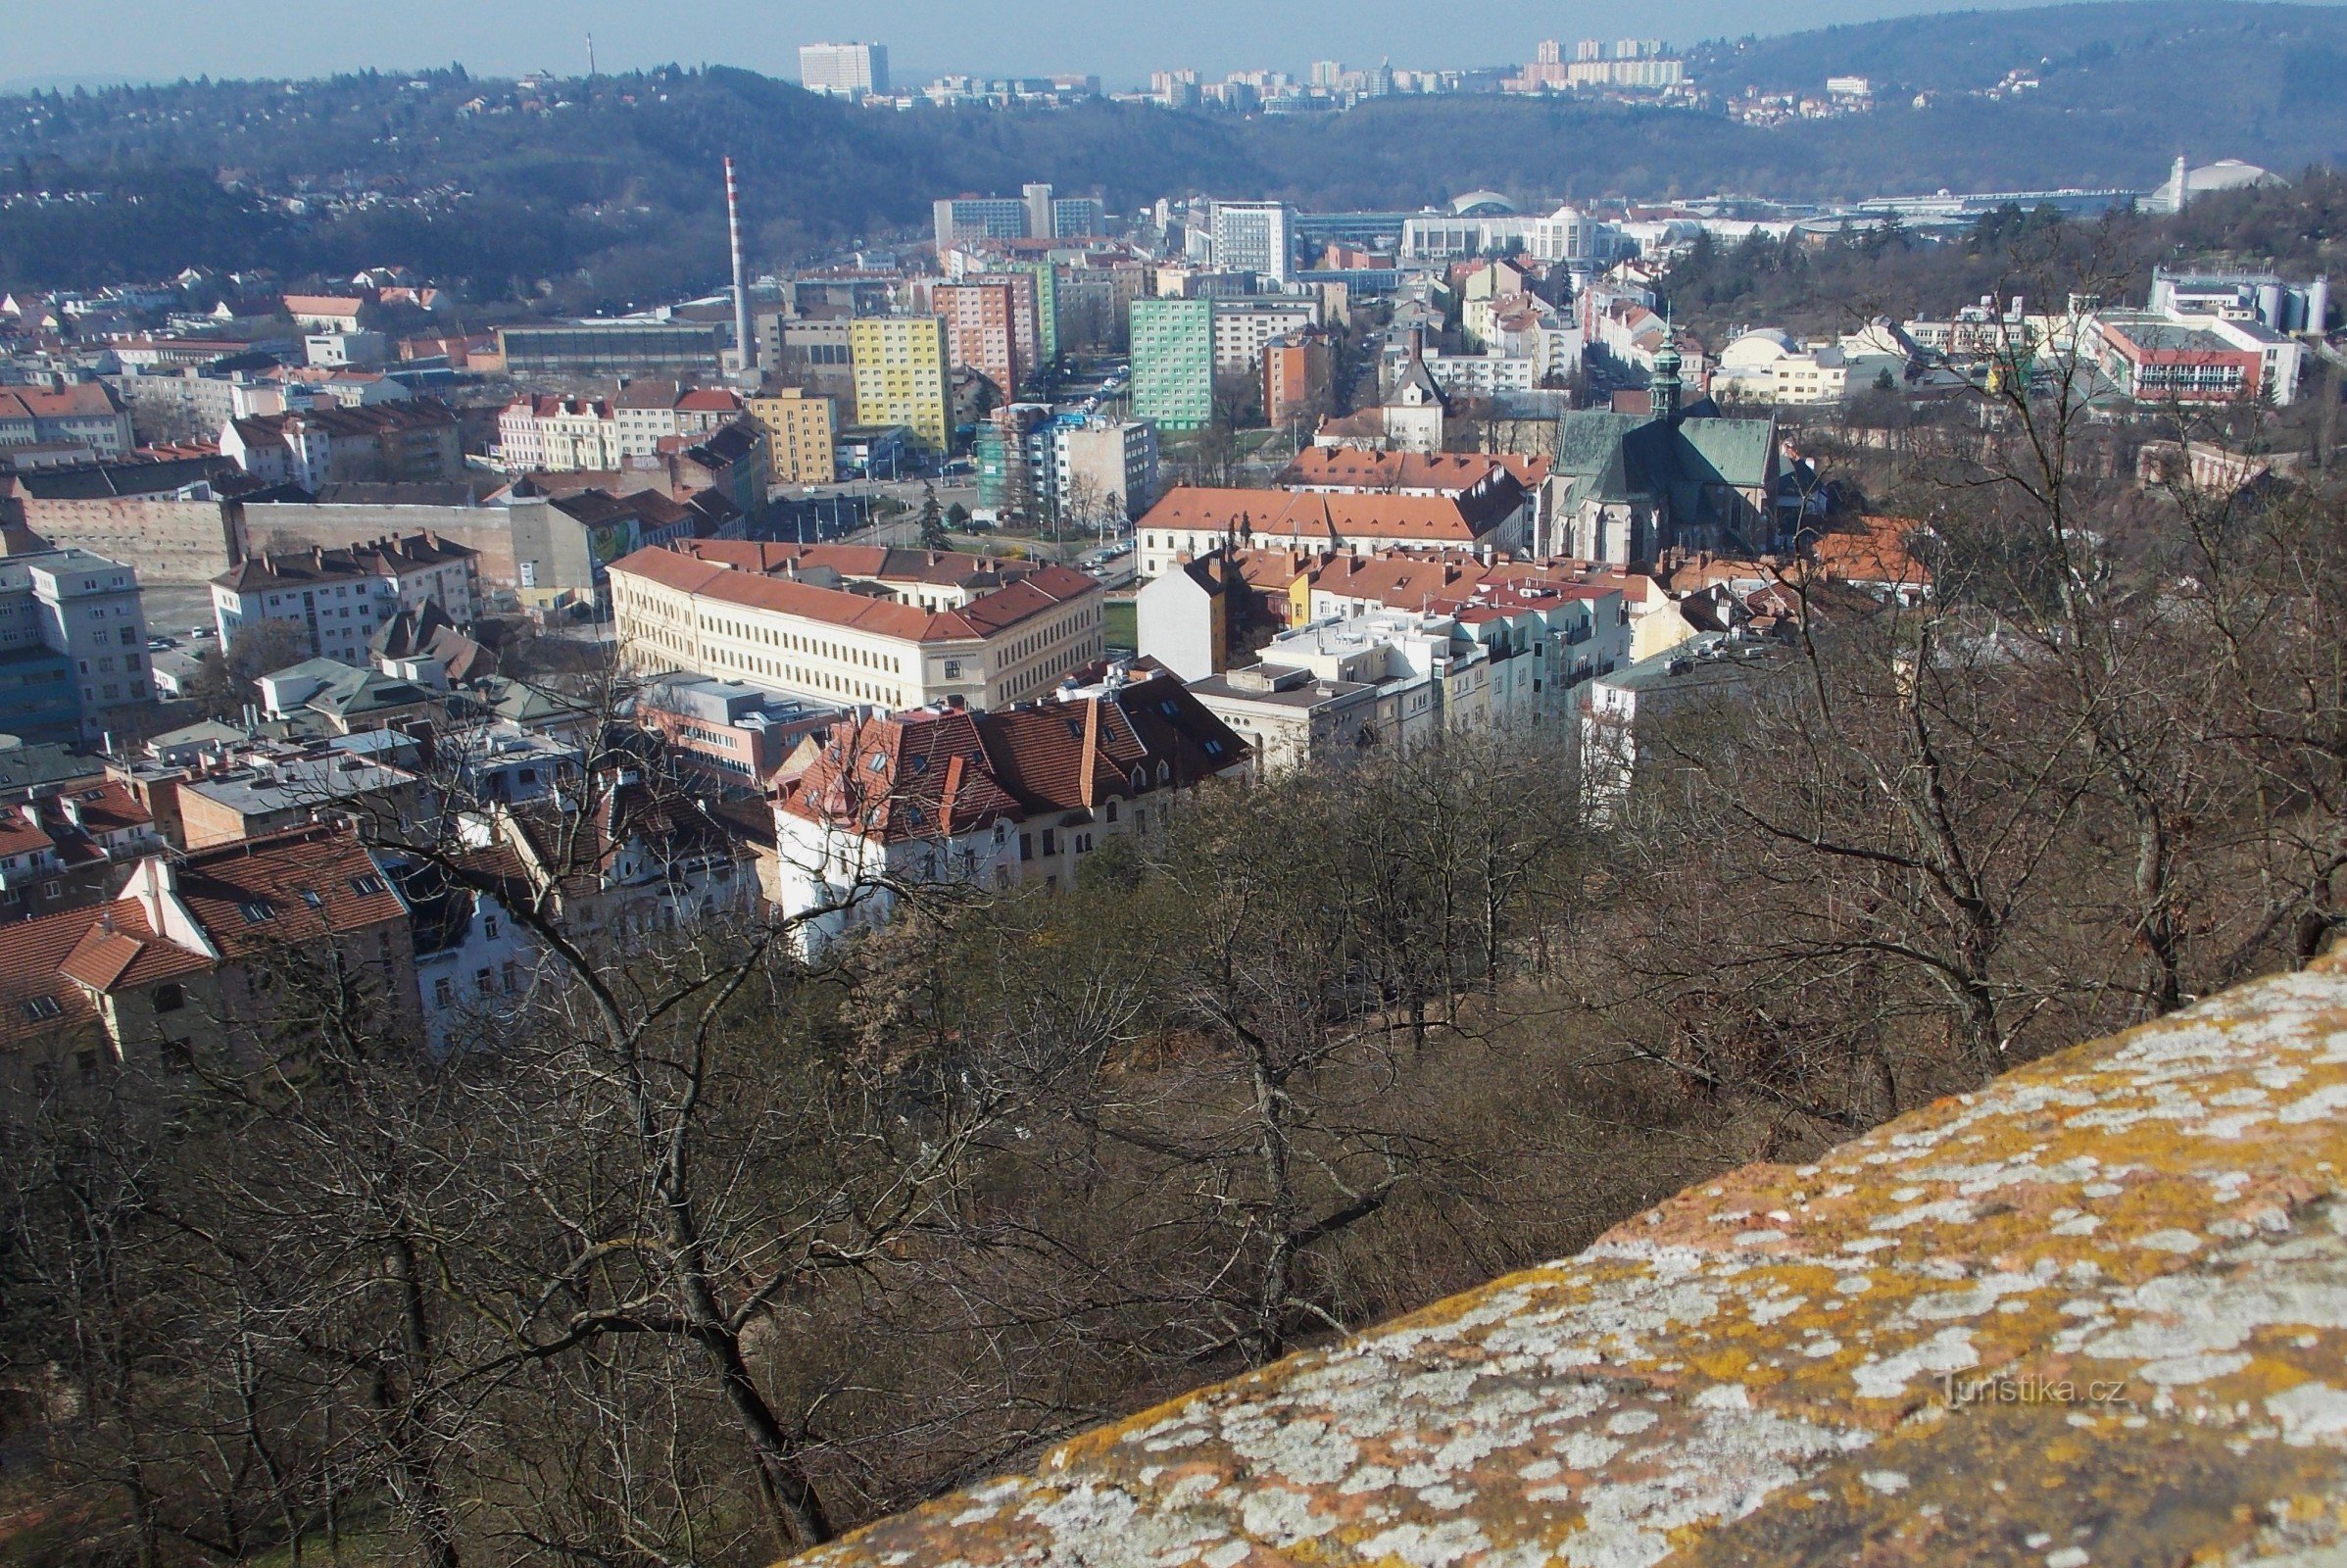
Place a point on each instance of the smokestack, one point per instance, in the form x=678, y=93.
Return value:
x=744, y=344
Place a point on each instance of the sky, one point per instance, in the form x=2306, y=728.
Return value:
x=1122, y=40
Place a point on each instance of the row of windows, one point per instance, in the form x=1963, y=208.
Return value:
x=843, y=652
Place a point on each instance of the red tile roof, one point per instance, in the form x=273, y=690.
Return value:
x=286, y=888
x=75, y=400
x=19, y=836
x=1325, y=519
x=685, y=572
x=1875, y=551
x=904, y=776
x=45, y=963
x=1448, y=472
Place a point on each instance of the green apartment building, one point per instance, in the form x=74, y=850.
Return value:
x=1173, y=363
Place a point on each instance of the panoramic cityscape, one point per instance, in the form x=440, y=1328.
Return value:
x=1487, y=795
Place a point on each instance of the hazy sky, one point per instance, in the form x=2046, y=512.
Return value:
x=1121, y=39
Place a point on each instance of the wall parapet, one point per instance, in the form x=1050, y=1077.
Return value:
x=2095, y=1314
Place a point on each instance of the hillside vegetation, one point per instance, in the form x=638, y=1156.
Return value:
x=614, y=197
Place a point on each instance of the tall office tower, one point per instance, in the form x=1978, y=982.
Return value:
x=848, y=70
x=1255, y=238
x=1037, y=198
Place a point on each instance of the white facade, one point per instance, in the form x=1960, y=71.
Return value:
x=1114, y=459
x=1243, y=329
x=558, y=435
x=1573, y=237
x=846, y=69
x=85, y=607
x=1255, y=238
x=1443, y=237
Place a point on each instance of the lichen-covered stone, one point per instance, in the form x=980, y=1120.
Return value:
x=2095, y=1315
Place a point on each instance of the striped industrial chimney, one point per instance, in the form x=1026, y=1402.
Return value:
x=744, y=344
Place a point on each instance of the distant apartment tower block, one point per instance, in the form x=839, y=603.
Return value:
x=1078, y=218
x=1173, y=362
x=958, y=219
x=903, y=376
x=846, y=69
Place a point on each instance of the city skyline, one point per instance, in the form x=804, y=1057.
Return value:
x=142, y=40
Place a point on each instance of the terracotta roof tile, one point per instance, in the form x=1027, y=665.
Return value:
x=286, y=888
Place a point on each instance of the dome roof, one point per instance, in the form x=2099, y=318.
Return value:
x=1762, y=346
x=2226, y=173
x=2232, y=173
x=1480, y=204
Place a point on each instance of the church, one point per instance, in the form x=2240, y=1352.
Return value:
x=1629, y=487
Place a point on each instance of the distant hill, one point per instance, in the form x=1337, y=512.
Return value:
x=606, y=192
x=2265, y=82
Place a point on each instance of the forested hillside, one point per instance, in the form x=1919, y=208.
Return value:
x=606, y=191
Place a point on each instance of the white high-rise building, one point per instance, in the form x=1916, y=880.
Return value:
x=848, y=70
x=1255, y=238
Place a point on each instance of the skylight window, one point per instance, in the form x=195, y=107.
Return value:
x=366, y=887
x=258, y=911
x=42, y=1009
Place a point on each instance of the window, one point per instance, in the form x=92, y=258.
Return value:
x=311, y=898
x=480, y=981
x=1026, y=846
x=40, y=1010
x=1051, y=841
x=512, y=977
x=85, y=1063
x=177, y=1055
x=257, y=911
x=366, y=887
x=169, y=997
x=444, y=992
x=489, y=927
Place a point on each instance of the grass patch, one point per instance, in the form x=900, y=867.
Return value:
x=1120, y=625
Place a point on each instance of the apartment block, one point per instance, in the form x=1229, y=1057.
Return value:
x=979, y=331
x=801, y=426
x=903, y=376
x=1243, y=329
x=73, y=645
x=1173, y=362
x=335, y=599
x=791, y=621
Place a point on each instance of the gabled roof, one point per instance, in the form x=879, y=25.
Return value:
x=1451, y=473
x=1332, y=519
x=46, y=962
x=286, y=889
x=1620, y=456
x=74, y=400
x=1874, y=552
x=1035, y=595
x=386, y=557
x=903, y=776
